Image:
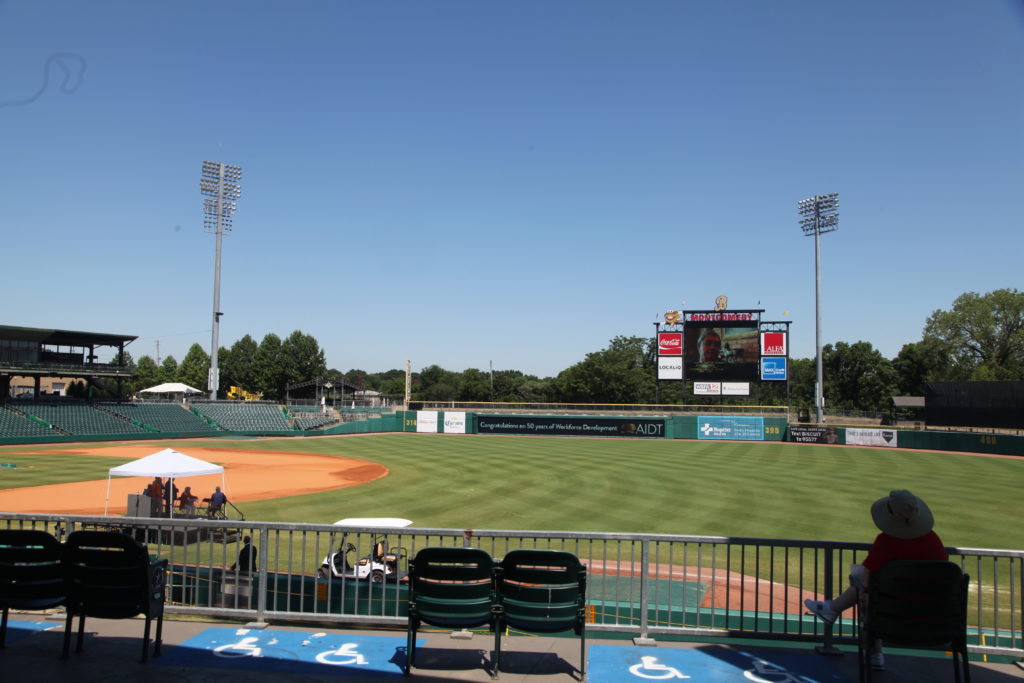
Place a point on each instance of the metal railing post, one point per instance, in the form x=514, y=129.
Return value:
x=261, y=595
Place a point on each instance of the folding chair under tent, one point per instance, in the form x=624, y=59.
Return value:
x=166, y=463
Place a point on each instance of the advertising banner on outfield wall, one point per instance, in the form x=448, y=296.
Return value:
x=670, y=367
x=454, y=423
x=730, y=428
x=814, y=434
x=871, y=437
x=570, y=426
x=426, y=421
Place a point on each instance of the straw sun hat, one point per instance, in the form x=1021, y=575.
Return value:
x=902, y=514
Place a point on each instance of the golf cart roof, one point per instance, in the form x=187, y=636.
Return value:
x=396, y=522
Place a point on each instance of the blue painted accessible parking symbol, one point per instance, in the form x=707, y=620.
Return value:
x=338, y=654
x=610, y=664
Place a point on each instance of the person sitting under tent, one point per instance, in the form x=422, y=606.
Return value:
x=217, y=502
x=187, y=501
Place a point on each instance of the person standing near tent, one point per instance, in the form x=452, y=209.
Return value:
x=246, y=563
x=155, y=489
x=170, y=494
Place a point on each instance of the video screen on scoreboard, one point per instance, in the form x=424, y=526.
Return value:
x=714, y=352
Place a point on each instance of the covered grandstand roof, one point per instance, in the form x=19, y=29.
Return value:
x=63, y=337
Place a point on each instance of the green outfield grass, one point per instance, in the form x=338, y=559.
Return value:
x=771, y=490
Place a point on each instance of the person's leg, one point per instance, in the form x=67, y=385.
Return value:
x=845, y=600
x=829, y=610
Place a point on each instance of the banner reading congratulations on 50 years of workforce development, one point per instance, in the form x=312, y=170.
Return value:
x=570, y=426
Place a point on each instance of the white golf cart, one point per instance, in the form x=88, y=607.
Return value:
x=382, y=564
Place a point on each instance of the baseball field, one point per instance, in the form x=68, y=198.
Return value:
x=768, y=490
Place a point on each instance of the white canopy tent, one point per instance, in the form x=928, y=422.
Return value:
x=166, y=463
x=173, y=388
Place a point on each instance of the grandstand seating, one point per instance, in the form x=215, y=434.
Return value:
x=79, y=418
x=314, y=422
x=245, y=417
x=165, y=417
x=16, y=424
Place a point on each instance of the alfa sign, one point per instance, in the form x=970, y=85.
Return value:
x=773, y=344
x=774, y=367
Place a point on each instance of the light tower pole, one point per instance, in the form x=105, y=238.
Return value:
x=220, y=188
x=819, y=214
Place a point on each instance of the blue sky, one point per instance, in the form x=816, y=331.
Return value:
x=467, y=182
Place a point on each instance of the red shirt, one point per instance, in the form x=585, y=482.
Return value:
x=887, y=548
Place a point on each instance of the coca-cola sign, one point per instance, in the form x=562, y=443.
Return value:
x=670, y=343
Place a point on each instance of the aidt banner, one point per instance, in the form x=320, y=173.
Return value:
x=871, y=437
x=454, y=423
x=426, y=421
x=670, y=367
x=707, y=388
x=730, y=428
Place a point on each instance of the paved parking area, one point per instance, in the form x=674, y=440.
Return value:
x=217, y=652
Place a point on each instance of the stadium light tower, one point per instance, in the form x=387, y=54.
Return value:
x=220, y=188
x=819, y=214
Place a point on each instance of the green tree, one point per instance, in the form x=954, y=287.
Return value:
x=122, y=357
x=169, y=370
x=77, y=389
x=302, y=358
x=802, y=376
x=857, y=377
x=146, y=374
x=476, y=385
x=985, y=333
x=238, y=365
x=622, y=373
x=195, y=368
x=929, y=360
x=269, y=374
x=438, y=384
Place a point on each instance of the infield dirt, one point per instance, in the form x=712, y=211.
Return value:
x=248, y=475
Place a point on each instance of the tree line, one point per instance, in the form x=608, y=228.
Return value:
x=981, y=337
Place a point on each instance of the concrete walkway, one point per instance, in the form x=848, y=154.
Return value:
x=225, y=653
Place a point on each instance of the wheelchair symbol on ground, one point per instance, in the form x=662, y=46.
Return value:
x=246, y=647
x=348, y=651
x=775, y=673
x=650, y=668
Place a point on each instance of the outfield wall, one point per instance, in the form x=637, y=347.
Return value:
x=697, y=427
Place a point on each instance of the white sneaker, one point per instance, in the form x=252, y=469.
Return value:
x=821, y=609
x=878, y=661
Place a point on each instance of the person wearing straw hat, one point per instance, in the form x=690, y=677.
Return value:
x=906, y=525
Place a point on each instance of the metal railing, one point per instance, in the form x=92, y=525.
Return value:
x=638, y=584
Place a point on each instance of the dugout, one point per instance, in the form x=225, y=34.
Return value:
x=975, y=404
